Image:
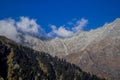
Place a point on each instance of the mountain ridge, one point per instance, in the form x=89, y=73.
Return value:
x=86, y=49
x=85, y=40
x=18, y=62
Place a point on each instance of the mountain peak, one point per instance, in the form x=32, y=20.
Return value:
x=117, y=19
x=115, y=25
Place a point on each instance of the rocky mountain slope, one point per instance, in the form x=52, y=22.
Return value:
x=18, y=62
x=102, y=55
x=100, y=58
x=75, y=43
x=96, y=51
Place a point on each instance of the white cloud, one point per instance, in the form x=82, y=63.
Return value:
x=27, y=25
x=70, y=23
x=8, y=29
x=53, y=27
x=63, y=32
x=80, y=24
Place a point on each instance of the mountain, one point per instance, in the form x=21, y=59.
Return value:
x=95, y=51
x=19, y=62
x=102, y=55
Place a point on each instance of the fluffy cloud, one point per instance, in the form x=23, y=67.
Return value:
x=80, y=24
x=10, y=27
x=63, y=32
x=27, y=25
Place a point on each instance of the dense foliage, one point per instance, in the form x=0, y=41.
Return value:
x=22, y=63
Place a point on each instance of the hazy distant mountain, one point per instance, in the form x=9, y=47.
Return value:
x=96, y=51
x=18, y=62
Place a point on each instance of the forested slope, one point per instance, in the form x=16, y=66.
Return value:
x=18, y=62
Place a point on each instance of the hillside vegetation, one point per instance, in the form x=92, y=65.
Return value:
x=22, y=63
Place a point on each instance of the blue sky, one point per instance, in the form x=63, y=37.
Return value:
x=61, y=12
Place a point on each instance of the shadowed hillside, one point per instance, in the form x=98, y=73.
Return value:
x=22, y=63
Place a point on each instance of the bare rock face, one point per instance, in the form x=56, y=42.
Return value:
x=101, y=58
x=96, y=51
x=102, y=55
